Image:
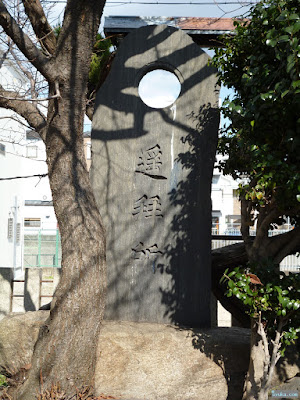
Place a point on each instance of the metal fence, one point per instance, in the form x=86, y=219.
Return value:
x=42, y=248
x=288, y=264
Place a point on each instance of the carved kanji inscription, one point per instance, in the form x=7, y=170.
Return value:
x=141, y=251
x=150, y=162
x=148, y=207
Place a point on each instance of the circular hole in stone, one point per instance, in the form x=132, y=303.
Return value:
x=159, y=88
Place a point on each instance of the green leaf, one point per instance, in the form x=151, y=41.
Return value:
x=283, y=38
x=235, y=291
x=294, y=16
x=231, y=284
x=278, y=288
x=285, y=302
x=296, y=305
x=232, y=273
x=271, y=42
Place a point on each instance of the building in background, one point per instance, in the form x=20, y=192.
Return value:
x=25, y=203
x=226, y=208
x=29, y=236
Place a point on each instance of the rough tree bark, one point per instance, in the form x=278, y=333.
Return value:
x=229, y=257
x=66, y=348
x=263, y=246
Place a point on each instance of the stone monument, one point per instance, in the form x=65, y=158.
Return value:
x=151, y=173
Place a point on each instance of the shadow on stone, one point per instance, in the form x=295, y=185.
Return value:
x=230, y=350
x=191, y=225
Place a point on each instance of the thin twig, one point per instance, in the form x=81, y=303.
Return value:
x=56, y=96
x=24, y=177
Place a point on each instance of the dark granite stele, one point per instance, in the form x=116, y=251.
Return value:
x=151, y=173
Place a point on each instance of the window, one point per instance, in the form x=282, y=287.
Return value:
x=215, y=225
x=2, y=149
x=31, y=151
x=32, y=222
x=32, y=135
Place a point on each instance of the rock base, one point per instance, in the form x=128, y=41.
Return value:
x=143, y=361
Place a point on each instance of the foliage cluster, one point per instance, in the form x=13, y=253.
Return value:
x=276, y=301
x=262, y=63
x=100, y=56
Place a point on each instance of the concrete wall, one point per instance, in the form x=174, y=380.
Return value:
x=27, y=294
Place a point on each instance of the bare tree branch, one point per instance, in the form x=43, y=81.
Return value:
x=5, y=54
x=90, y=110
x=23, y=177
x=285, y=244
x=26, y=72
x=18, y=119
x=246, y=222
x=262, y=234
x=40, y=25
x=56, y=96
x=28, y=110
x=25, y=44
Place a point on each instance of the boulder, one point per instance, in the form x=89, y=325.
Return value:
x=18, y=334
x=152, y=361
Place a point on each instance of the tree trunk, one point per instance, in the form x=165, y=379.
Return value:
x=65, y=352
x=66, y=349
x=256, y=367
x=229, y=257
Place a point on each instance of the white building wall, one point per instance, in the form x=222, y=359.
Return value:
x=13, y=192
x=222, y=196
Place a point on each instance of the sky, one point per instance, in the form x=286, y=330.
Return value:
x=171, y=8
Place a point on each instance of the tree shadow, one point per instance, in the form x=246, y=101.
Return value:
x=291, y=358
x=188, y=254
x=28, y=303
x=230, y=350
